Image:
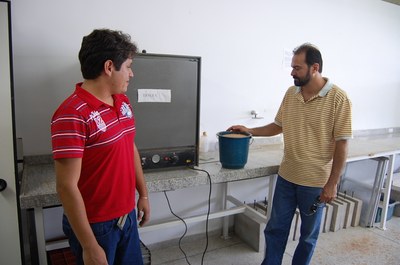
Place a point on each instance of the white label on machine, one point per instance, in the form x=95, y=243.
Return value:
x=154, y=95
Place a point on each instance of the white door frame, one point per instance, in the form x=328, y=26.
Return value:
x=10, y=239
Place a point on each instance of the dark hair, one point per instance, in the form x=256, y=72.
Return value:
x=102, y=45
x=313, y=55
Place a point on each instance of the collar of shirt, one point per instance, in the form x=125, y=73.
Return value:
x=325, y=89
x=91, y=100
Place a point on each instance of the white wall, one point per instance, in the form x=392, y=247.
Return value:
x=242, y=45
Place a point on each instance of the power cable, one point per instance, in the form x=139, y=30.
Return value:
x=183, y=221
x=208, y=211
x=183, y=235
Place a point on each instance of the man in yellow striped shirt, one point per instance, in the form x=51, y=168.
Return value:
x=315, y=119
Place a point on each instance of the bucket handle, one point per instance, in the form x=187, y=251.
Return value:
x=252, y=141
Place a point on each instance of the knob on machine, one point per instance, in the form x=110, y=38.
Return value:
x=3, y=184
x=167, y=159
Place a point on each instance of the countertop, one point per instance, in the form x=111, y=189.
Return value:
x=38, y=187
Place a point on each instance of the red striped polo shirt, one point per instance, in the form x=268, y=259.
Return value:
x=103, y=136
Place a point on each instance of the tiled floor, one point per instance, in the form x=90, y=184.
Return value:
x=355, y=245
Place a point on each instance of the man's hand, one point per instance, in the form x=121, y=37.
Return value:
x=94, y=256
x=238, y=128
x=328, y=193
x=143, y=210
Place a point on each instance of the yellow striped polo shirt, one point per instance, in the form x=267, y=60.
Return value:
x=310, y=130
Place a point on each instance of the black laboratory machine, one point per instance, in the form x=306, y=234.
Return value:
x=165, y=96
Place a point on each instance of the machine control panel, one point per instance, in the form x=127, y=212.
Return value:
x=158, y=159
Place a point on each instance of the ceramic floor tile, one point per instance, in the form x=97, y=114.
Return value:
x=193, y=246
x=356, y=246
x=392, y=231
x=352, y=246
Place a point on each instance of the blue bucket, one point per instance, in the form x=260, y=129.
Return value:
x=233, y=149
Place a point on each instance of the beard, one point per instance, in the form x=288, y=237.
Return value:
x=302, y=81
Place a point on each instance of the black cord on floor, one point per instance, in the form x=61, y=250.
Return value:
x=183, y=221
x=208, y=211
x=183, y=235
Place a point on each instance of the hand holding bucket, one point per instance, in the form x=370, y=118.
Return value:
x=233, y=148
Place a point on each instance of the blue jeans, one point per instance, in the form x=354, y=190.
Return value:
x=122, y=247
x=288, y=197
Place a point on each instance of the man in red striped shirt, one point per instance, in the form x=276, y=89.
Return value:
x=97, y=164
